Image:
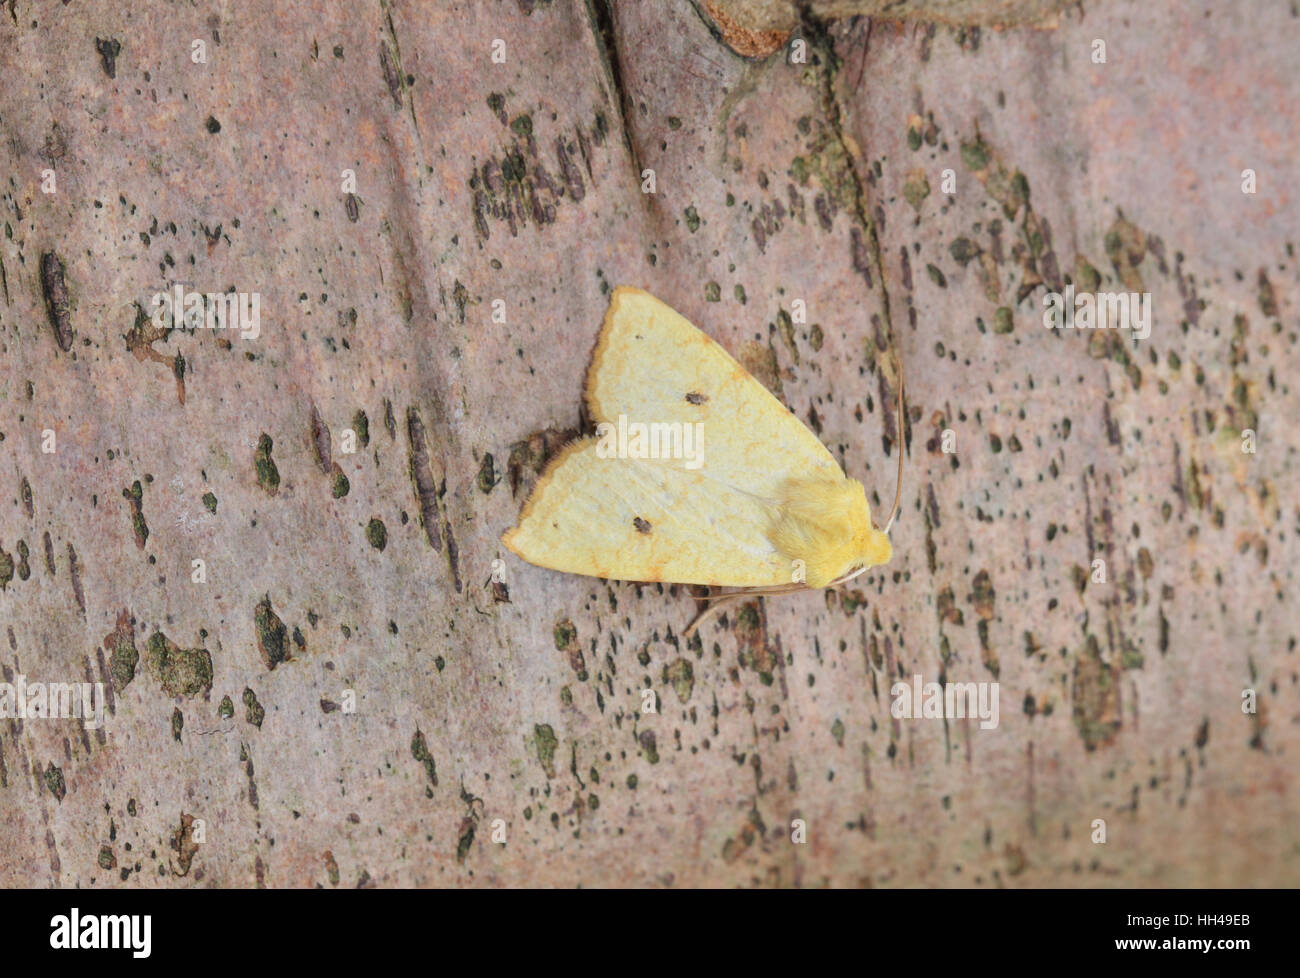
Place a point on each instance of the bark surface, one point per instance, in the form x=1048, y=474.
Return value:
x=356, y=693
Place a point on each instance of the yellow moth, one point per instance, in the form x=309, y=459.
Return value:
x=698, y=475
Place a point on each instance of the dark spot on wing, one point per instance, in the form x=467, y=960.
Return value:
x=641, y=525
x=696, y=398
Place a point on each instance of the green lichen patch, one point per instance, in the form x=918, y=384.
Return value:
x=983, y=595
x=988, y=655
x=468, y=826
x=210, y=502
x=916, y=189
x=487, y=475
x=225, y=709
x=1033, y=253
x=680, y=673
x=122, y=654
x=545, y=742
x=518, y=188
x=134, y=495
x=1096, y=696
x=826, y=160
x=182, y=672
x=420, y=751
x=377, y=533
x=975, y=154
x=566, y=641
x=253, y=711
x=646, y=738
x=54, y=782
x=785, y=326
x=754, y=651
x=851, y=601
x=1010, y=188
x=921, y=130
x=1086, y=278
x=1113, y=345
x=1267, y=296
x=522, y=125
x=272, y=636
x=1130, y=656
x=1126, y=246
x=339, y=485
x=268, y=476
x=962, y=250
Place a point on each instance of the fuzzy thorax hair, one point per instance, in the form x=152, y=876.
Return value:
x=827, y=525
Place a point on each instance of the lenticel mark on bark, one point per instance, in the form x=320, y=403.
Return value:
x=55, y=288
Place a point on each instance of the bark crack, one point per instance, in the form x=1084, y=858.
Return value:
x=818, y=34
x=601, y=19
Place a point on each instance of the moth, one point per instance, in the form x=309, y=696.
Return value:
x=698, y=475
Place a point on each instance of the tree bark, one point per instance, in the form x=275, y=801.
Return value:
x=360, y=686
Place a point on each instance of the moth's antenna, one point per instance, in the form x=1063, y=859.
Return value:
x=901, y=408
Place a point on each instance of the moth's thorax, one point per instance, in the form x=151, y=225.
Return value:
x=826, y=523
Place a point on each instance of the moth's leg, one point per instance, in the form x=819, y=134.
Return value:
x=716, y=602
x=704, y=596
x=900, y=410
x=844, y=579
x=719, y=601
